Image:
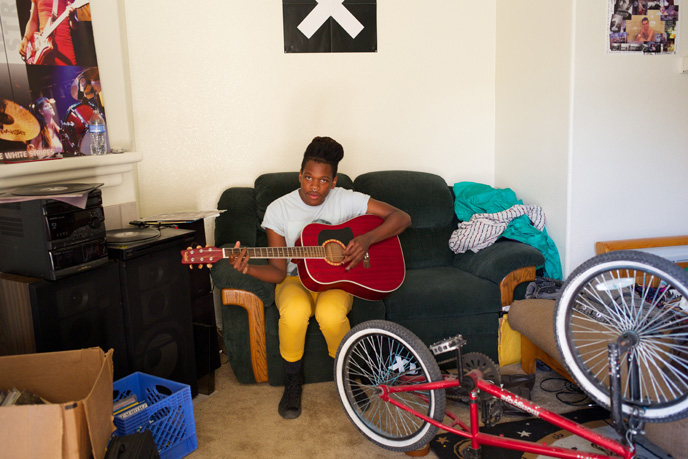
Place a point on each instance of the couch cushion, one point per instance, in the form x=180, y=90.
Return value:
x=535, y=320
x=269, y=187
x=272, y=186
x=238, y=222
x=445, y=291
x=428, y=200
x=425, y=247
x=425, y=197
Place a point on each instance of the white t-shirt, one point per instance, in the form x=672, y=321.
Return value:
x=288, y=215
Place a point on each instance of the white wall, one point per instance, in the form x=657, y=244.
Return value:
x=533, y=90
x=216, y=101
x=598, y=140
x=629, y=165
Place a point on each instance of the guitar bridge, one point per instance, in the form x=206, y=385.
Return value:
x=366, y=260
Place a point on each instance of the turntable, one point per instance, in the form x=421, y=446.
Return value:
x=128, y=243
x=55, y=189
x=121, y=236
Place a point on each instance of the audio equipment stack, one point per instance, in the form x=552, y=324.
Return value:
x=48, y=238
x=67, y=283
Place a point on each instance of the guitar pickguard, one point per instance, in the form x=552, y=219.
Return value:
x=343, y=235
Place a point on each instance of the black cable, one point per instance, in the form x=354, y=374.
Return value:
x=576, y=397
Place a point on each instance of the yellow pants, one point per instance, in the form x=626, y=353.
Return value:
x=297, y=305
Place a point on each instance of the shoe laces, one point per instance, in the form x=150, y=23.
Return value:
x=292, y=390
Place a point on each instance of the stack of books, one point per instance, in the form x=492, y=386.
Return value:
x=127, y=406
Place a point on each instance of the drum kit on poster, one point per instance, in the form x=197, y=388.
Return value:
x=18, y=124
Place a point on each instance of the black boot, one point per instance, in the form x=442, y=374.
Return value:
x=290, y=405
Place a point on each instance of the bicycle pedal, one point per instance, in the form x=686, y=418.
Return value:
x=492, y=410
x=446, y=345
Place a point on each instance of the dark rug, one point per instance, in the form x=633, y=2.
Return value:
x=447, y=445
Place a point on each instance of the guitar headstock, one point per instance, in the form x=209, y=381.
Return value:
x=201, y=256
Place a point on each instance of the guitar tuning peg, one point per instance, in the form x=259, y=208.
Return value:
x=189, y=248
x=199, y=246
x=208, y=266
x=200, y=266
x=190, y=266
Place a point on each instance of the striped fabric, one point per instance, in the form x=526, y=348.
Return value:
x=482, y=230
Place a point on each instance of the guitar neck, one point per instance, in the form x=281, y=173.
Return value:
x=51, y=27
x=278, y=252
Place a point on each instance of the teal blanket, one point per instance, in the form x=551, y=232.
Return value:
x=476, y=198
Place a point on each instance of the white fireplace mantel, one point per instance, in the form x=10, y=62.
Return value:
x=108, y=169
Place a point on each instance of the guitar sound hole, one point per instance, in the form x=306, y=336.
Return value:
x=334, y=252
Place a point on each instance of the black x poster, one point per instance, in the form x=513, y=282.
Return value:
x=330, y=26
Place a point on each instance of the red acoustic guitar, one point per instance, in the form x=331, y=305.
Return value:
x=319, y=255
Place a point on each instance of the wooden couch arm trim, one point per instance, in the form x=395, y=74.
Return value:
x=256, y=324
x=511, y=280
x=641, y=243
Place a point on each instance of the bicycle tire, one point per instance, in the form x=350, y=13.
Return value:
x=645, y=297
x=381, y=352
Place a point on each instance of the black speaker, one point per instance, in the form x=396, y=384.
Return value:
x=203, y=311
x=205, y=340
x=157, y=308
x=81, y=311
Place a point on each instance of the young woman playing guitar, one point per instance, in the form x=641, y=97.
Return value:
x=317, y=199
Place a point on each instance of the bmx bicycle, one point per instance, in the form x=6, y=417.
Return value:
x=621, y=326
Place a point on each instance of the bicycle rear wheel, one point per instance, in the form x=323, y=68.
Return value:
x=645, y=298
x=380, y=352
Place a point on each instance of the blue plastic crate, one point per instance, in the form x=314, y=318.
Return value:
x=169, y=414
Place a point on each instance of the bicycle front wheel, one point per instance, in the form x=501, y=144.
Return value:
x=380, y=352
x=645, y=299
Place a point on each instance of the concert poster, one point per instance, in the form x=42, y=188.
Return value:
x=642, y=26
x=49, y=81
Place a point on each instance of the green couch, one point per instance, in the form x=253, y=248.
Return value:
x=442, y=295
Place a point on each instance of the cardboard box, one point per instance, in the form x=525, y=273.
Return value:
x=79, y=422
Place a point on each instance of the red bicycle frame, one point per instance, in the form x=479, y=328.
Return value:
x=477, y=438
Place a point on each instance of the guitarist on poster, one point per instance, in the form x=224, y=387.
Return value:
x=317, y=200
x=48, y=35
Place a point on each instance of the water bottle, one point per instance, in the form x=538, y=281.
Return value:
x=96, y=127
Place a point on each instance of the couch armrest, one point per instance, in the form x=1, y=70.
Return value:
x=511, y=280
x=256, y=324
x=494, y=263
x=225, y=276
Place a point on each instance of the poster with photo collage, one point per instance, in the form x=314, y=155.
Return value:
x=643, y=26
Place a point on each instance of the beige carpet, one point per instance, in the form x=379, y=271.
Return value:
x=241, y=421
